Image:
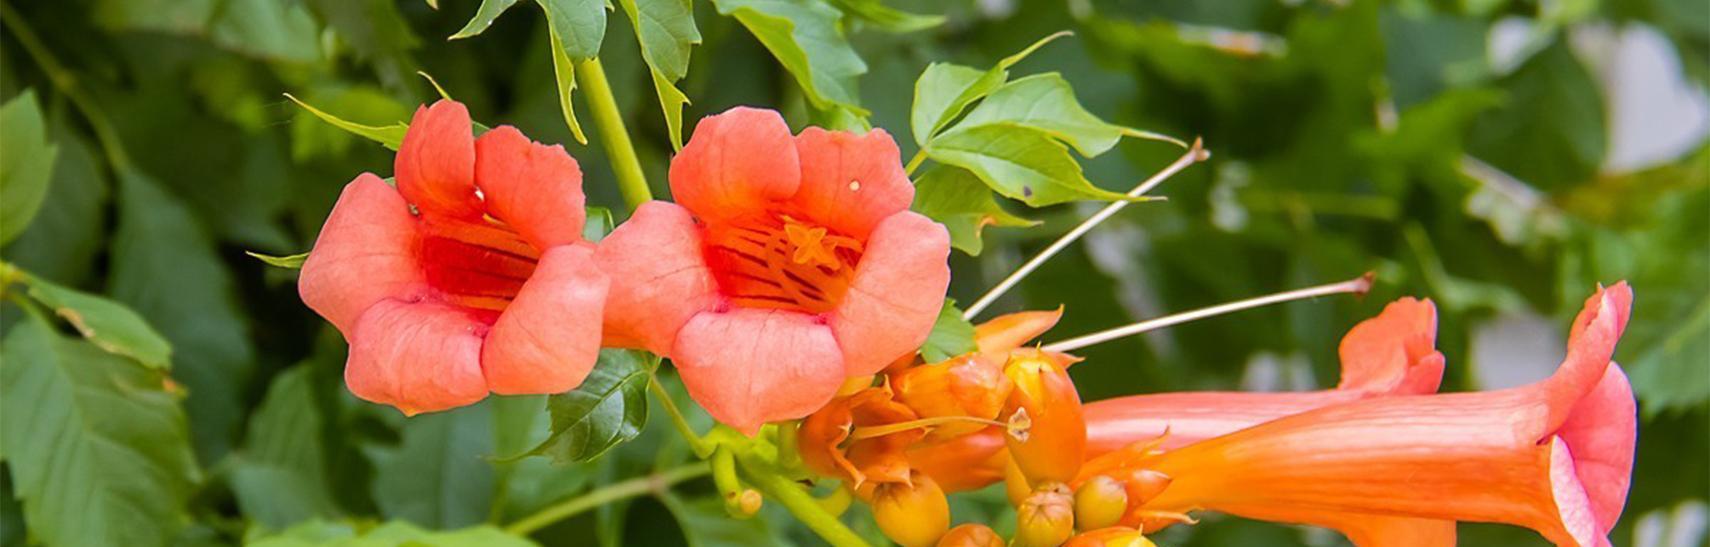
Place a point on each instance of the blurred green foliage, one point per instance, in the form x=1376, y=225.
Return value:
x=1347, y=136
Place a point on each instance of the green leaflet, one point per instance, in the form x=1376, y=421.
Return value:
x=1046, y=102
x=951, y=335
x=886, y=18
x=484, y=16
x=666, y=30
x=609, y=408
x=957, y=199
x=579, y=25
x=804, y=36
x=27, y=165
x=564, y=70
x=280, y=477
x=944, y=90
x=390, y=136
x=119, y=468
x=292, y=261
x=439, y=476
x=109, y=325
x=1019, y=162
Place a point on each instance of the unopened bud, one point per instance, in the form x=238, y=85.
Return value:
x=971, y=535
x=1056, y=436
x=1046, y=518
x=913, y=514
x=1100, y=502
x=968, y=385
x=1110, y=537
x=746, y=504
x=1142, y=485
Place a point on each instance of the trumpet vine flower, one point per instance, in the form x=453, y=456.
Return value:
x=1393, y=353
x=787, y=264
x=470, y=277
x=1555, y=456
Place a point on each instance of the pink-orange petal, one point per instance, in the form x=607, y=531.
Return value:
x=752, y=366
x=547, y=340
x=365, y=253
x=736, y=162
x=1602, y=432
x=1393, y=353
x=535, y=188
x=1590, y=345
x=658, y=277
x=418, y=357
x=435, y=166
x=896, y=294
x=851, y=181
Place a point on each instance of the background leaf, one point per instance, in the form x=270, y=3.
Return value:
x=951, y=335
x=438, y=476
x=120, y=468
x=804, y=36
x=27, y=166
x=109, y=325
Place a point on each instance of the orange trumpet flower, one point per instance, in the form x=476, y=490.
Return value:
x=1391, y=354
x=1555, y=456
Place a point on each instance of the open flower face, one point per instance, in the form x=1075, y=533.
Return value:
x=787, y=264
x=1391, y=354
x=470, y=277
x=1555, y=456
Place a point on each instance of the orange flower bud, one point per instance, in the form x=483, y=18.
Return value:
x=968, y=385
x=969, y=462
x=1100, y=502
x=1052, y=447
x=913, y=514
x=1115, y=536
x=971, y=535
x=1142, y=485
x=1046, y=518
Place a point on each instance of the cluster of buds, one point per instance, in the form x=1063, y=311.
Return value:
x=903, y=438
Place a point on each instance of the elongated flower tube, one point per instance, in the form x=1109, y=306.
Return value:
x=787, y=264
x=470, y=277
x=1555, y=456
x=1393, y=353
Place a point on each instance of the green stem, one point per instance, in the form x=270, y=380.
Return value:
x=66, y=82
x=803, y=505
x=914, y=163
x=655, y=483
x=631, y=181
x=696, y=443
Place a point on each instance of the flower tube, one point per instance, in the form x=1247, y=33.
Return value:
x=787, y=264
x=470, y=277
x=1555, y=456
x=1391, y=354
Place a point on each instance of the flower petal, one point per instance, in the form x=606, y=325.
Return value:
x=1013, y=330
x=658, y=277
x=1591, y=343
x=751, y=366
x=435, y=166
x=365, y=253
x=1395, y=352
x=418, y=357
x=547, y=340
x=896, y=294
x=535, y=188
x=851, y=181
x=736, y=163
x=1602, y=431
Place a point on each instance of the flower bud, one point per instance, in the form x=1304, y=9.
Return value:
x=1052, y=447
x=967, y=385
x=1116, y=536
x=913, y=514
x=1100, y=502
x=971, y=535
x=1046, y=518
x=1142, y=485
x=747, y=503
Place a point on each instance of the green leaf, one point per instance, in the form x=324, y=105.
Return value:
x=173, y=16
x=804, y=36
x=1046, y=102
x=886, y=18
x=579, y=25
x=322, y=533
x=97, y=445
x=1017, y=161
x=26, y=167
x=484, y=16
x=957, y=199
x=944, y=90
x=439, y=476
x=164, y=266
x=564, y=71
x=109, y=325
x=609, y=408
x=1550, y=131
x=1670, y=374
x=292, y=261
x=280, y=477
x=390, y=136
x=951, y=335
x=70, y=231
x=599, y=224
x=270, y=29
x=667, y=32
